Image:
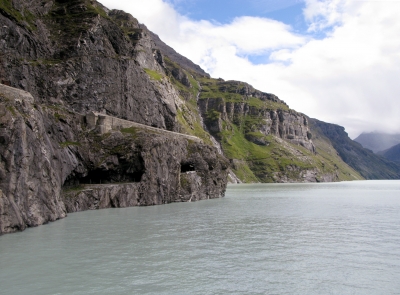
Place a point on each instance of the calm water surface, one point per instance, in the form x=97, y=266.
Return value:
x=341, y=238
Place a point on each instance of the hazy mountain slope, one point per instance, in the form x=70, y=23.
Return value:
x=392, y=154
x=368, y=164
x=378, y=141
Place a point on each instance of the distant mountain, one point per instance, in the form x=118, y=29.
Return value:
x=376, y=142
x=368, y=164
x=392, y=154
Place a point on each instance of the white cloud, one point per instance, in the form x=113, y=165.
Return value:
x=350, y=77
x=323, y=14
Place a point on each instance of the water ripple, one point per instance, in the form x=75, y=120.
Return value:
x=261, y=239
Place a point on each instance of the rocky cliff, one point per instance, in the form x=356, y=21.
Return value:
x=53, y=162
x=74, y=54
x=69, y=58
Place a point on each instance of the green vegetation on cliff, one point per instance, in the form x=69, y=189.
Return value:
x=235, y=113
x=230, y=91
x=153, y=74
x=25, y=18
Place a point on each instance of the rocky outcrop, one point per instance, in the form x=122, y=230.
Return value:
x=51, y=159
x=294, y=174
x=269, y=115
x=288, y=125
x=264, y=139
x=161, y=169
x=32, y=165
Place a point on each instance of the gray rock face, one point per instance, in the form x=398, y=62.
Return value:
x=311, y=175
x=75, y=57
x=78, y=59
x=32, y=165
x=181, y=77
x=52, y=164
x=288, y=125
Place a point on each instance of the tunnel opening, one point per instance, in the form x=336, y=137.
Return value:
x=187, y=167
x=99, y=176
x=125, y=172
x=111, y=176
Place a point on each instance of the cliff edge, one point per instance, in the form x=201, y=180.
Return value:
x=53, y=161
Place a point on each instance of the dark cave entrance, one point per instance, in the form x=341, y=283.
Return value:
x=125, y=172
x=187, y=167
x=99, y=176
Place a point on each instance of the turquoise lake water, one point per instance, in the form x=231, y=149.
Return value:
x=337, y=238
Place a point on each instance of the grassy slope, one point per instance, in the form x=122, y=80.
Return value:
x=328, y=152
x=264, y=161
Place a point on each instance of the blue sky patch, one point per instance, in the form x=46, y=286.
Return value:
x=224, y=11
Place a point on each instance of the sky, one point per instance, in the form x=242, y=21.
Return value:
x=334, y=60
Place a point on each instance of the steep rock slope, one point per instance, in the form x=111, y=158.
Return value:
x=392, y=154
x=75, y=57
x=72, y=53
x=81, y=56
x=51, y=158
x=368, y=164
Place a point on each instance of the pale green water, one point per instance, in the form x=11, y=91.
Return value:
x=341, y=238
